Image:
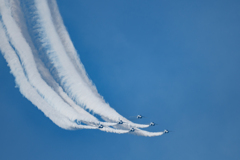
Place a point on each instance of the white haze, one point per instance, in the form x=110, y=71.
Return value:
x=48, y=71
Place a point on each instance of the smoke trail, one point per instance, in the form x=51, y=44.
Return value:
x=25, y=55
x=18, y=16
x=75, y=86
x=71, y=52
x=25, y=88
x=67, y=43
x=48, y=71
x=146, y=133
x=11, y=56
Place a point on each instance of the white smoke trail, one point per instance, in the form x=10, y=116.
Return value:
x=32, y=75
x=19, y=18
x=67, y=43
x=28, y=63
x=30, y=93
x=25, y=88
x=10, y=56
x=63, y=88
x=75, y=86
x=146, y=133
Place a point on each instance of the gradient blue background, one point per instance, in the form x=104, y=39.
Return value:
x=176, y=62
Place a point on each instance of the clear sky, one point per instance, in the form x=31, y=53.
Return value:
x=176, y=62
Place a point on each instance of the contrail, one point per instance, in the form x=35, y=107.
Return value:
x=25, y=55
x=18, y=16
x=48, y=71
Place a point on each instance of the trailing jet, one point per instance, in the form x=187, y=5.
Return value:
x=100, y=125
x=120, y=122
x=132, y=130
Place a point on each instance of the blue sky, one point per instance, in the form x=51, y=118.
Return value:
x=175, y=62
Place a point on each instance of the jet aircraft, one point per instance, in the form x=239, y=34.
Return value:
x=100, y=126
x=152, y=124
x=132, y=130
x=120, y=122
x=139, y=116
x=166, y=131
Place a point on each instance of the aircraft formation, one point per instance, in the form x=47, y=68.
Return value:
x=120, y=122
